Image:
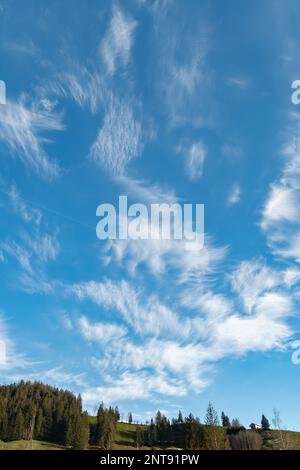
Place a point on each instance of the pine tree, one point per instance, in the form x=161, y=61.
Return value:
x=225, y=420
x=212, y=421
x=81, y=435
x=158, y=419
x=265, y=423
x=117, y=413
x=151, y=435
x=130, y=417
x=211, y=417
x=180, y=417
x=106, y=427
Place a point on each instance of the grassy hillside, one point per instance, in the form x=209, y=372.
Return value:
x=125, y=433
x=124, y=440
x=126, y=436
x=29, y=445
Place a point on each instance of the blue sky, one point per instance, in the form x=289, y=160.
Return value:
x=160, y=101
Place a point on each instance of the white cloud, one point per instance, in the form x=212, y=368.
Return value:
x=193, y=361
x=35, y=283
x=146, y=317
x=130, y=386
x=39, y=248
x=20, y=253
x=117, y=44
x=234, y=195
x=32, y=250
x=194, y=155
x=251, y=279
x=66, y=321
x=86, y=88
x=119, y=139
x=22, y=130
x=280, y=215
x=10, y=358
x=238, y=335
x=44, y=246
x=158, y=256
x=139, y=190
x=291, y=276
x=212, y=306
x=101, y=332
x=55, y=376
x=28, y=214
x=281, y=206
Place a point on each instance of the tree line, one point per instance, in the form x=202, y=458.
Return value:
x=34, y=411
x=213, y=434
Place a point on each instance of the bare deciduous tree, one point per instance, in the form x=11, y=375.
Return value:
x=282, y=439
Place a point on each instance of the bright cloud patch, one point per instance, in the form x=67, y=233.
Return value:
x=22, y=130
x=116, y=46
x=119, y=139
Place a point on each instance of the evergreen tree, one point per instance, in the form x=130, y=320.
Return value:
x=158, y=419
x=211, y=431
x=211, y=417
x=81, y=436
x=151, y=434
x=265, y=423
x=130, y=417
x=225, y=420
x=106, y=427
x=180, y=418
x=117, y=413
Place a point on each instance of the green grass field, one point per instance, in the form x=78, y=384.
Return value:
x=29, y=445
x=126, y=435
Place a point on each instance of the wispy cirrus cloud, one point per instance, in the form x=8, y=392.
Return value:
x=10, y=357
x=144, y=317
x=86, y=87
x=55, y=376
x=119, y=140
x=220, y=327
x=115, y=48
x=23, y=130
x=133, y=386
x=280, y=214
x=100, y=332
x=28, y=213
x=194, y=155
x=32, y=249
x=182, y=66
